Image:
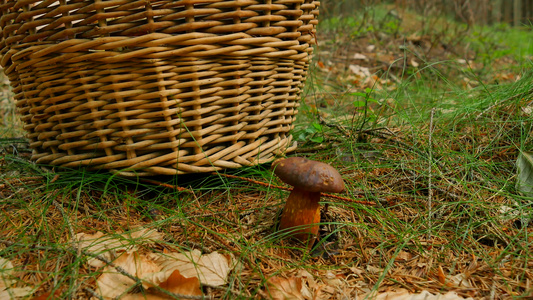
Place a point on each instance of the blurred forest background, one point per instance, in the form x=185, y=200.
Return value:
x=479, y=12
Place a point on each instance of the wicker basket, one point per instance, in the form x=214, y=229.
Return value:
x=157, y=86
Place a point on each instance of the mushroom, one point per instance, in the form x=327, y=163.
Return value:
x=309, y=179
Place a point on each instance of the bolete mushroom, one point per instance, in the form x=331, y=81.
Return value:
x=309, y=179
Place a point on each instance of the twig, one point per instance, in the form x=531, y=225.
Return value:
x=15, y=140
x=166, y=185
x=69, y=226
x=348, y=199
x=337, y=126
x=93, y=293
x=235, y=293
x=77, y=250
x=311, y=149
x=10, y=243
x=259, y=229
x=137, y=280
x=430, y=185
x=19, y=181
x=72, y=238
x=492, y=294
x=381, y=135
x=119, y=269
x=254, y=181
x=55, y=178
x=263, y=295
x=220, y=240
x=290, y=189
x=347, y=133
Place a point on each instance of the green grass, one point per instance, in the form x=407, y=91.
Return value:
x=435, y=151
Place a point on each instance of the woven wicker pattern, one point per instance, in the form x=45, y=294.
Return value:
x=157, y=86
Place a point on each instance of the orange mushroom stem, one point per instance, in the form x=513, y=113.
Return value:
x=302, y=209
x=302, y=212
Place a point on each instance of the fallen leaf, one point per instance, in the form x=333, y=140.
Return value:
x=143, y=296
x=360, y=56
x=441, y=276
x=403, y=294
x=404, y=256
x=6, y=271
x=311, y=287
x=524, y=165
x=359, y=71
x=280, y=288
x=527, y=110
x=307, y=277
x=211, y=269
x=48, y=295
x=175, y=283
x=179, y=284
x=331, y=279
x=108, y=246
x=113, y=283
x=374, y=270
x=180, y=273
x=15, y=293
x=6, y=282
x=459, y=280
x=357, y=271
x=99, y=244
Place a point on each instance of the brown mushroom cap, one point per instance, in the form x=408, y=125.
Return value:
x=313, y=176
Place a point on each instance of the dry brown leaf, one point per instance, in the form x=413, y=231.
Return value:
x=15, y=293
x=403, y=294
x=459, y=280
x=212, y=268
x=143, y=296
x=374, y=270
x=153, y=269
x=441, y=276
x=6, y=274
x=48, y=295
x=359, y=71
x=307, y=277
x=331, y=279
x=107, y=246
x=6, y=271
x=404, y=256
x=176, y=283
x=293, y=288
x=113, y=284
x=357, y=271
x=179, y=284
x=99, y=244
x=360, y=56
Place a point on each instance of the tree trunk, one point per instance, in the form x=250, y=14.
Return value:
x=516, y=12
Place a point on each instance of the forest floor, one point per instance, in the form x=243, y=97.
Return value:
x=423, y=117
